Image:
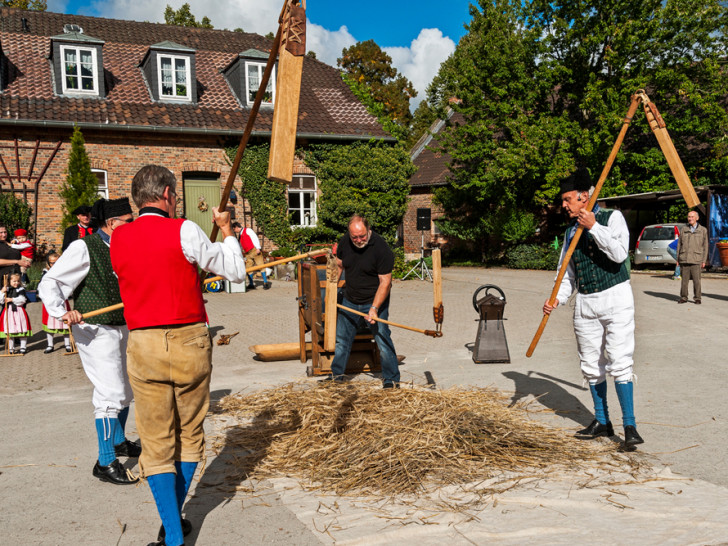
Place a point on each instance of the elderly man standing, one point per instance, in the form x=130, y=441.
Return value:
x=80, y=230
x=367, y=262
x=604, y=306
x=692, y=253
x=170, y=351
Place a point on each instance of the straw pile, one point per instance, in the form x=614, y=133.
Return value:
x=359, y=438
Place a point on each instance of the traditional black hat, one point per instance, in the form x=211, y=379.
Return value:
x=104, y=209
x=579, y=180
x=83, y=209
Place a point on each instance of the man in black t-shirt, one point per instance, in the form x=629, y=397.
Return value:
x=367, y=262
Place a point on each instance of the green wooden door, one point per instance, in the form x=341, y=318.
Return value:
x=200, y=196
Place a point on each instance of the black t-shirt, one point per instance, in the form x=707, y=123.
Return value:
x=7, y=253
x=362, y=267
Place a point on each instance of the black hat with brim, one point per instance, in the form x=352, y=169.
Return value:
x=577, y=181
x=83, y=209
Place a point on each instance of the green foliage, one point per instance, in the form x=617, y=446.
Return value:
x=183, y=17
x=15, y=213
x=544, y=88
x=370, y=179
x=369, y=69
x=267, y=198
x=311, y=53
x=81, y=185
x=533, y=257
x=422, y=120
x=32, y=5
x=34, y=272
x=375, y=108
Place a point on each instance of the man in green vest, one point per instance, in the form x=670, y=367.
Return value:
x=84, y=271
x=604, y=305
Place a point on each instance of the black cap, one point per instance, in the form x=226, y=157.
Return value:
x=579, y=180
x=104, y=209
x=83, y=209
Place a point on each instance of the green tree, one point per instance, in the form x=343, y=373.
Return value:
x=32, y=5
x=15, y=213
x=370, y=179
x=366, y=65
x=81, y=185
x=183, y=17
x=544, y=87
x=422, y=120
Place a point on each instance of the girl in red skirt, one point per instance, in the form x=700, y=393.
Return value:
x=51, y=325
x=14, y=321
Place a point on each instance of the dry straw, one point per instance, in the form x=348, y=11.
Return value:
x=357, y=438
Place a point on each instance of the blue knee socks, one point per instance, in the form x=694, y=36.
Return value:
x=625, y=393
x=107, y=429
x=119, y=437
x=599, y=396
x=163, y=490
x=185, y=472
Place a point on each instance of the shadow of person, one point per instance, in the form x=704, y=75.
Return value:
x=663, y=295
x=550, y=395
x=715, y=296
x=243, y=448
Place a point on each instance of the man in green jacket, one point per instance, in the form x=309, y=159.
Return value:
x=692, y=253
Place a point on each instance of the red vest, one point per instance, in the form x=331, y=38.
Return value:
x=245, y=241
x=158, y=285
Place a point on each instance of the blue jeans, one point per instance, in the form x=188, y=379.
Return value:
x=346, y=327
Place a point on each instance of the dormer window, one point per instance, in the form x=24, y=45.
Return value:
x=170, y=72
x=253, y=77
x=244, y=75
x=79, y=70
x=174, y=77
x=77, y=63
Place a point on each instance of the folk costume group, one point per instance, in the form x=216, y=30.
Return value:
x=603, y=307
x=157, y=350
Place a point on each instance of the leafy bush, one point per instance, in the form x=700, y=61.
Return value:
x=35, y=272
x=14, y=213
x=533, y=257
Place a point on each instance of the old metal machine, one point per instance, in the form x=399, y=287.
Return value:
x=490, y=343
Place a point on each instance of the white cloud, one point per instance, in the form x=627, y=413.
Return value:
x=327, y=44
x=420, y=62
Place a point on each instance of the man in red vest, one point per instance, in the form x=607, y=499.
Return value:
x=169, y=355
x=251, y=250
x=80, y=230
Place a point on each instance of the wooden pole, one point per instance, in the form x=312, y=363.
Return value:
x=251, y=122
x=432, y=333
x=636, y=98
x=330, y=299
x=438, y=311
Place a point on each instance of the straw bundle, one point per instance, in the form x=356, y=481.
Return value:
x=359, y=438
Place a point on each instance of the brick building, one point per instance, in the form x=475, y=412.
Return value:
x=433, y=170
x=150, y=93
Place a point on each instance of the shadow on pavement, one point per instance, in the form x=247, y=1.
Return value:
x=550, y=395
x=664, y=295
x=716, y=296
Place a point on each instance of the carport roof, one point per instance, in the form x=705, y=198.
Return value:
x=656, y=199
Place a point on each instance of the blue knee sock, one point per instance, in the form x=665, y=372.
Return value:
x=106, y=430
x=119, y=437
x=185, y=472
x=599, y=396
x=625, y=393
x=163, y=490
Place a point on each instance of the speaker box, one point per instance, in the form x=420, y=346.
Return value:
x=424, y=220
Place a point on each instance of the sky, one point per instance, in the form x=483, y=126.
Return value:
x=417, y=35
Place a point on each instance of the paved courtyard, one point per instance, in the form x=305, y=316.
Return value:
x=48, y=496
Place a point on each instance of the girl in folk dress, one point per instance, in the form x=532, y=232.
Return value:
x=52, y=325
x=14, y=321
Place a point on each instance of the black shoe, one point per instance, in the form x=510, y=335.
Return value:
x=330, y=379
x=390, y=385
x=186, y=530
x=631, y=437
x=596, y=429
x=127, y=448
x=682, y=301
x=48, y=350
x=266, y=286
x=114, y=473
x=250, y=287
x=68, y=349
x=698, y=302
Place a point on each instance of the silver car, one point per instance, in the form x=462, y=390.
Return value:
x=652, y=244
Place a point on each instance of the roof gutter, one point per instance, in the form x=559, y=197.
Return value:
x=178, y=130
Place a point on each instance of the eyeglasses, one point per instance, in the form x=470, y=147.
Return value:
x=127, y=221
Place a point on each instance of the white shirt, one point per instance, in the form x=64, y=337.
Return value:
x=612, y=239
x=59, y=282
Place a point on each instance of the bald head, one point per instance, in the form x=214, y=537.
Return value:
x=359, y=231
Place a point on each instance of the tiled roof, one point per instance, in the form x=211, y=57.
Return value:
x=327, y=106
x=433, y=166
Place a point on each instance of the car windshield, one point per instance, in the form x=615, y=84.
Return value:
x=659, y=234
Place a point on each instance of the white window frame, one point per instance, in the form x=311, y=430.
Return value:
x=308, y=216
x=188, y=74
x=271, y=83
x=103, y=187
x=94, y=70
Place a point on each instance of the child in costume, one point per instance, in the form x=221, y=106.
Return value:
x=14, y=321
x=52, y=325
x=26, y=248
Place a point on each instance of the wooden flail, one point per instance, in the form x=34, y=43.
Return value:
x=657, y=125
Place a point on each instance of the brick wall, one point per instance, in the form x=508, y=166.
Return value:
x=121, y=155
x=420, y=198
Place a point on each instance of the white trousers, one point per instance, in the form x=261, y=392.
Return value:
x=102, y=350
x=604, y=327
